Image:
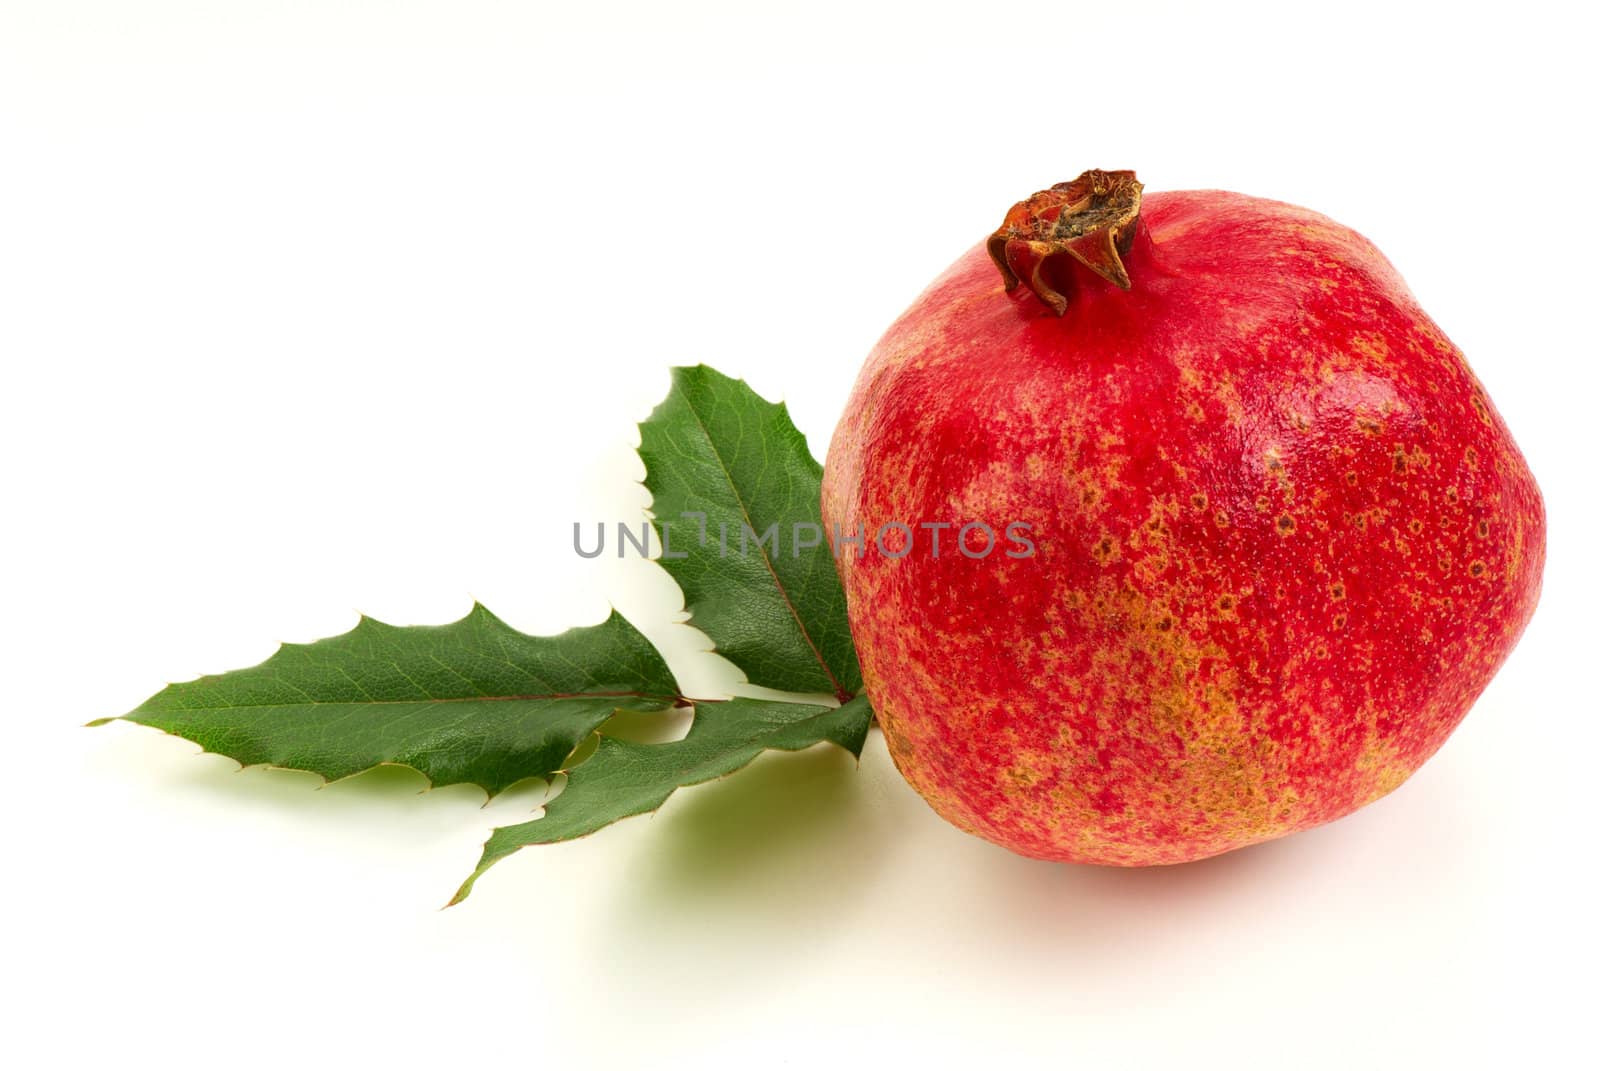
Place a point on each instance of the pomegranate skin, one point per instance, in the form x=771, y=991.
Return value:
x=1282, y=538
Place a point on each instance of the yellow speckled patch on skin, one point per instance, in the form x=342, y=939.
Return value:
x=1283, y=540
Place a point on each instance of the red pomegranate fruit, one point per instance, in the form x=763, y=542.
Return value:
x=1235, y=537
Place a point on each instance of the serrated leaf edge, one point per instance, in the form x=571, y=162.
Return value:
x=483, y=867
x=367, y=621
x=678, y=373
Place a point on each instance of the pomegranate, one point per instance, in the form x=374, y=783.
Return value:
x=1243, y=536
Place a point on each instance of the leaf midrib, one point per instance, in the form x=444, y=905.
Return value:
x=839, y=690
x=423, y=700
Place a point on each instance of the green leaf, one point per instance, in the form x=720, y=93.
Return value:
x=475, y=701
x=623, y=778
x=478, y=702
x=717, y=448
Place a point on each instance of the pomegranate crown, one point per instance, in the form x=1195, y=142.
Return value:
x=1092, y=219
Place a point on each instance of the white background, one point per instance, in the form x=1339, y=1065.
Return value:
x=311, y=308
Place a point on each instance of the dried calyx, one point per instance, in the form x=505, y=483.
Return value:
x=1092, y=219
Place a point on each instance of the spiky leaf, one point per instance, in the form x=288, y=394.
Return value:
x=715, y=448
x=623, y=778
x=474, y=701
